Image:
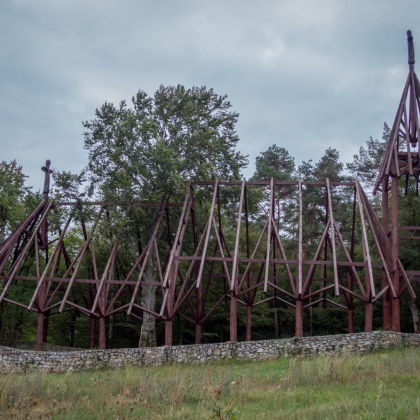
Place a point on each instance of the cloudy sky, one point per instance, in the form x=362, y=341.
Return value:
x=304, y=74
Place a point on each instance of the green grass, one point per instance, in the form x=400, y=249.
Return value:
x=383, y=385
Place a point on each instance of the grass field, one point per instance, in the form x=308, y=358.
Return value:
x=383, y=385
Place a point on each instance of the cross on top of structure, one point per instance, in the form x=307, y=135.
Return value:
x=410, y=42
x=48, y=172
x=405, y=132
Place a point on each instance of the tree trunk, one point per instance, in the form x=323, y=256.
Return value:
x=148, y=300
x=415, y=312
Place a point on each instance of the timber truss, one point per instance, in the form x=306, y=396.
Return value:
x=186, y=274
x=198, y=260
x=401, y=158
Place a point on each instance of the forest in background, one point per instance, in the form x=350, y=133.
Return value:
x=150, y=152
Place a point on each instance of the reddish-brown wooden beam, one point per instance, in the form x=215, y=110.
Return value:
x=285, y=302
x=373, y=228
x=269, y=227
x=364, y=299
x=212, y=309
x=18, y=304
x=146, y=310
x=7, y=246
x=299, y=274
x=12, y=272
x=317, y=254
x=409, y=237
x=384, y=290
x=136, y=316
x=185, y=317
x=109, y=263
x=77, y=260
x=253, y=255
x=182, y=221
x=126, y=281
x=84, y=311
x=333, y=250
x=209, y=277
x=316, y=292
x=385, y=165
x=406, y=280
x=206, y=242
x=234, y=276
x=255, y=286
x=313, y=303
x=337, y=304
x=274, y=286
x=354, y=271
x=407, y=141
x=283, y=255
x=173, y=267
x=279, y=261
x=180, y=298
x=104, y=203
x=266, y=183
x=52, y=260
x=87, y=281
x=365, y=243
x=120, y=309
x=146, y=258
x=263, y=301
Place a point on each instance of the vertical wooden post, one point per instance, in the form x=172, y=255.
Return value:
x=299, y=318
x=40, y=328
x=350, y=311
x=249, y=299
x=369, y=311
x=234, y=308
x=233, y=318
x=235, y=271
x=41, y=316
x=199, y=316
x=199, y=300
x=370, y=285
x=170, y=304
x=102, y=326
x=44, y=245
x=395, y=303
x=299, y=273
x=46, y=323
x=386, y=300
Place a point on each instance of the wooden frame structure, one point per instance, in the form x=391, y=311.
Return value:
x=244, y=270
x=188, y=292
x=401, y=160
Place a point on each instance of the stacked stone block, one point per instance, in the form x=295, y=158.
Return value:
x=25, y=360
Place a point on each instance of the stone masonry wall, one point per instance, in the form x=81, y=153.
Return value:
x=24, y=360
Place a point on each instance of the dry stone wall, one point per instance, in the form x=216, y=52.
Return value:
x=24, y=360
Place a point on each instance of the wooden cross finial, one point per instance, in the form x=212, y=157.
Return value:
x=47, y=171
x=410, y=48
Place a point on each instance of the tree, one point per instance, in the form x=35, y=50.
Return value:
x=276, y=163
x=12, y=195
x=366, y=164
x=152, y=150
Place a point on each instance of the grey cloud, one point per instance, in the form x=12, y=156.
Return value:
x=305, y=75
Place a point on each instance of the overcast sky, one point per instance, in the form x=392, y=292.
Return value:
x=303, y=74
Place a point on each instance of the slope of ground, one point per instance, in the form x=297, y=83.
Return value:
x=383, y=385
